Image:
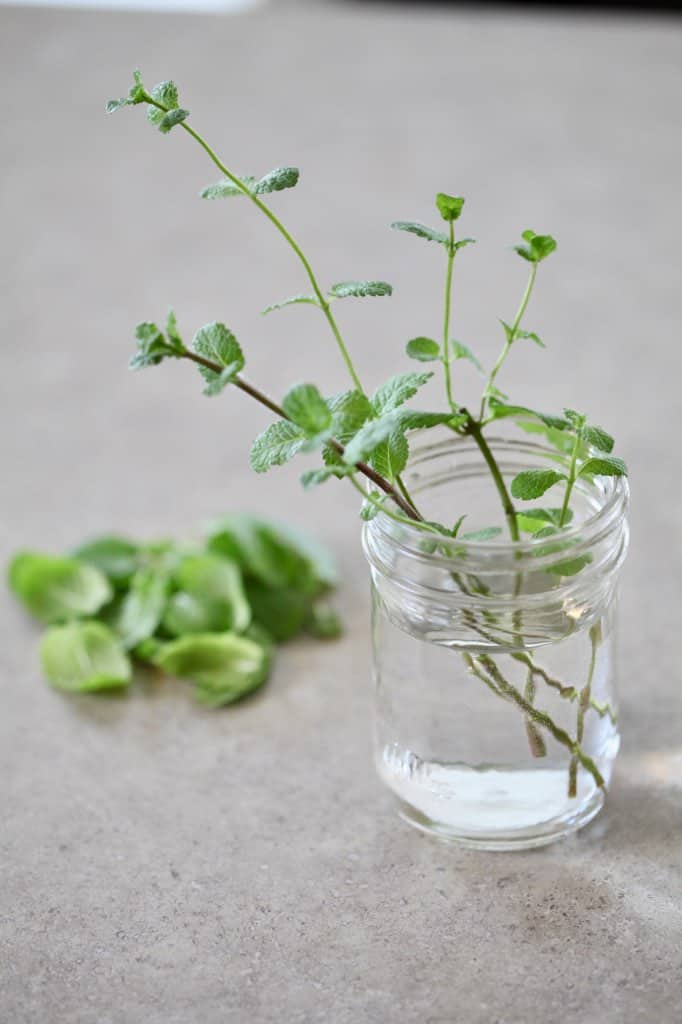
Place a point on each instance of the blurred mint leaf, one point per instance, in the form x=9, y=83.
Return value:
x=165, y=93
x=323, y=622
x=535, y=519
x=216, y=342
x=598, y=438
x=225, y=188
x=486, y=533
x=425, y=350
x=116, y=557
x=499, y=410
x=306, y=407
x=314, y=477
x=171, y=119
x=275, y=554
x=449, y=207
x=56, y=589
x=83, y=657
x=308, y=300
x=461, y=351
x=223, y=667
x=215, y=583
x=152, y=347
x=359, y=289
x=532, y=483
x=537, y=247
x=277, y=180
x=276, y=445
x=350, y=410
x=397, y=390
x=143, y=606
x=135, y=95
x=604, y=465
x=421, y=231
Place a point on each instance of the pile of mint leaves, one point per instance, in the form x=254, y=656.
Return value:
x=209, y=612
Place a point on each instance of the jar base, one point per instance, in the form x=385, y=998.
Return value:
x=505, y=840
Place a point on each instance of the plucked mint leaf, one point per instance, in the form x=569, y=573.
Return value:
x=276, y=445
x=350, y=410
x=165, y=93
x=277, y=180
x=143, y=606
x=462, y=351
x=184, y=614
x=135, y=95
x=225, y=188
x=425, y=350
x=217, y=583
x=449, y=207
x=604, y=465
x=397, y=390
x=532, y=483
x=421, y=231
x=56, y=589
x=323, y=622
x=216, y=342
x=537, y=247
x=152, y=347
x=306, y=407
x=281, y=611
x=223, y=667
x=359, y=289
x=390, y=457
x=82, y=657
x=116, y=557
x=598, y=438
x=314, y=477
x=499, y=410
x=308, y=300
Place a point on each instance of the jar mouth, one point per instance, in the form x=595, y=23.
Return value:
x=608, y=496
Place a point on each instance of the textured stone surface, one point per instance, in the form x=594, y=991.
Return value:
x=161, y=863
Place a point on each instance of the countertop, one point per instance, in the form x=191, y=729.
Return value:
x=164, y=863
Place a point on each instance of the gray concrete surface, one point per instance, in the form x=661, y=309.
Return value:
x=161, y=863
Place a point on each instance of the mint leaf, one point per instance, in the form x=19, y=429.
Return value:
x=323, y=622
x=378, y=431
x=421, y=231
x=598, y=438
x=359, y=289
x=571, y=566
x=276, y=445
x=604, y=465
x=306, y=407
x=461, y=351
x=222, y=666
x=55, y=589
x=397, y=390
x=272, y=554
x=350, y=410
x=532, y=483
x=534, y=520
x=171, y=119
x=499, y=409
x=277, y=180
x=115, y=557
x=537, y=248
x=449, y=207
x=486, y=533
x=216, y=342
x=143, y=606
x=83, y=657
x=425, y=350
x=390, y=457
x=165, y=93
x=217, y=583
x=225, y=188
x=314, y=477
x=309, y=300
x=172, y=332
x=135, y=95
x=152, y=347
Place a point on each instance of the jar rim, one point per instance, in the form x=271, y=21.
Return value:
x=585, y=533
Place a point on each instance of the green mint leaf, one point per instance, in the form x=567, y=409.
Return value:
x=598, y=438
x=538, y=247
x=604, y=465
x=136, y=95
x=486, y=533
x=209, y=577
x=377, y=432
x=449, y=207
x=115, y=557
x=152, y=347
x=370, y=509
x=359, y=289
x=425, y=350
x=281, y=611
x=577, y=419
x=462, y=242
x=500, y=409
x=276, y=445
x=165, y=93
x=532, y=483
x=421, y=231
x=535, y=520
x=225, y=188
x=216, y=342
x=415, y=419
x=306, y=407
x=173, y=334
x=350, y=410
x=389, y=458
x=314, y=477
x=309, y=300
x=222, y=666
x=461, y=351
x=277, y=180
x=397, y=390
x=83, y=657
x=55, y=589
x=571, y=566
x=171, y=119
x=323, y=622
x=142, y=607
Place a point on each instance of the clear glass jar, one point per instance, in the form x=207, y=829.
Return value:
x=494, y=662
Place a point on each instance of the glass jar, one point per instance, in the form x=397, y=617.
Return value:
x=494, y=662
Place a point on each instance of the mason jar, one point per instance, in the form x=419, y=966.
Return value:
x=496, y=718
